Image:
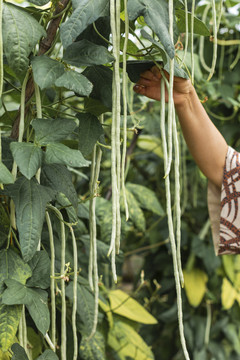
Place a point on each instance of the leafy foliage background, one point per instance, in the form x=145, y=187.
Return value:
x=74, y=74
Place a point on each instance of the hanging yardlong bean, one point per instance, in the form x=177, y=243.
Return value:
x=74, y=308
x=167, y=183
x=192, y=36
x=186, y=33
x=52, y=283
x=1, y=50
x=93, y=268
x=201, y=41
x=215, y=45
x=115, y=141
x=124, y=79
x=177, y=197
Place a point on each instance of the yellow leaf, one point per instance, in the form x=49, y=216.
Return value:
x=228, y=264
x=229, y=294
x=151, y=144
x=122, y=304
x=195, y=285
x=4, y=355
x=237, y=281
x=107, y=310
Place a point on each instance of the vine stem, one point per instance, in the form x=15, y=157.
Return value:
x=208, y=324
x=74, y=308
x=1, y=50
x=124, y=81
x=52, y=281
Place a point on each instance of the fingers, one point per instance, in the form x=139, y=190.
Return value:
x=139, y=89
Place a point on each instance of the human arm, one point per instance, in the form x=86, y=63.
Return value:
x=205, y=142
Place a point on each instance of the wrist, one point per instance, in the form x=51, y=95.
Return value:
x=186, y=100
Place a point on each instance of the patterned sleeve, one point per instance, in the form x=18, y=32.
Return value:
x=224, y=207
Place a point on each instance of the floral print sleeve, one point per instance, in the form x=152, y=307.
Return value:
x=224, y=207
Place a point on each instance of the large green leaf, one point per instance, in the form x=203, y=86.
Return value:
x=76, y=82
x=103, y=26
x=61, y=154
x=90, y=131
x=57, y=177
x=48, y=355
x=46, y=71
x=40, y=265
x=156, y=16
x=93, y=348
x=85, y=300
x=85, y=53
x=36, y=301
x=126, y=342
x=124, y=305
x=104, y=215
x=85, y=13
x=146, y=198
x=199, y=27
x=135, y=212
x=18, y=352
x=52, y=130
x=9, y=320
x=101, y=78
x=13, y=267
x=28, y=157
x=94, y=106
x=5, y=175
x=156, y=44
x=21, y=32
x=30, y=200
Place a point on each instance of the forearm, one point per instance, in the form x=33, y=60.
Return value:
x=205, y=142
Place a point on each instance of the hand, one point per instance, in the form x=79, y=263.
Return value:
x=150, y=81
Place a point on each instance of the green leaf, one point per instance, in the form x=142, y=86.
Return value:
x=58, y=178
x=46, y=71
x=231, y=332
x=21, y=33
x=85, y=53
x=93, y=348
x=150, y=143
x=90, y=131
x=36, y=301
x=135, y=212
x=195, y=285
x=156, y=44
x=5, y=175
x=94, y=107
x=9, y=321
x=85, y=13
x=146, y=198
x=126, y=342
x=61, y=154
x=199, y=27
x=48, y=355
x=101, y=78
x=85, y=300
x=156, y=16
x=124, y=305
x=76, y=82
x=104, y=215
x=40, y=265
x=28, y=157
x=52, y=130
x=13, y=267
x=177, y=70
x=18, y=352
x=30, y=201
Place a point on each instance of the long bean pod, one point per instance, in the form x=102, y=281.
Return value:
x=215, y=45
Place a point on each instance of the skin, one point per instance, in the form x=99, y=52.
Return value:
x=205, y=142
